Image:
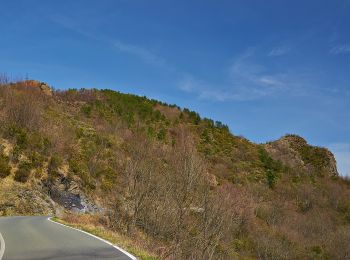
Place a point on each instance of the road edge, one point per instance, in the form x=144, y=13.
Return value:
x=89, y=234
x=2, y=246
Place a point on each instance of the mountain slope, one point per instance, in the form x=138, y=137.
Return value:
x=159, y=173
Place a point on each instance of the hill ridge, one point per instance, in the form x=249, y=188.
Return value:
x=143, y=168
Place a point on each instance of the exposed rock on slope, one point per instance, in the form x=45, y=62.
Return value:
x=68, y=194
x=18, y=199
x=295, y=152
x=45, y=88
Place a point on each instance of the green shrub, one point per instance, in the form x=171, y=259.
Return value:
x=304, y=205
x=19, y=134
x=271, y=177
x=15, y=153
x=150, y=132
x=5, y=169
x=108, y=179
x=161, y=134
x=271, y=166
x=54, y=163
x=78, y=167
x=23, y=172
x=36, y=159
x=86, y=109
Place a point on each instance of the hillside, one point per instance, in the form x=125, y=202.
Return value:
x=177, y=185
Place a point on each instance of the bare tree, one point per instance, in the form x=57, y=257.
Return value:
x=4, y=79
x=22, y=106
x=139, y=181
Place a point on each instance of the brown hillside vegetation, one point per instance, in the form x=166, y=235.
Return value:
x=177, y=185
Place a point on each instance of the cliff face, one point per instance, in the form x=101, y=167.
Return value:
x=295, y=152
x=145, y=168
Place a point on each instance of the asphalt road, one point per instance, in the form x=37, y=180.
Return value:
x=37, y=238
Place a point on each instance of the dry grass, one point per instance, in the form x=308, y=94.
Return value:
x=138, y=245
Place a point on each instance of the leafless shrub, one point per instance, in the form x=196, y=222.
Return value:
x=338, y=244
x=4, y=79
x=22, y=106
x=273, y=246
x=168, y=195
x=76, y=95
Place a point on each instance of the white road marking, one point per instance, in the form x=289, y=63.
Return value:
x=2, y=246
x=101, y=239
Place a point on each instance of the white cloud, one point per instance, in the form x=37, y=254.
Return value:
x=140, y=53
x=279, y=51
x=270, y=80
x=205, y=91
x=342, y=155
x=135, y=50
x=340, y=49
x=72, y=25
x=247, y=80
x=188, y=84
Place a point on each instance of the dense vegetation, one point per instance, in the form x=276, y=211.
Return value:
x=164, y=174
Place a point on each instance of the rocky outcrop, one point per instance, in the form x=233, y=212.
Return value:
x=294, y=151
x=66, y=193
x=45, y=88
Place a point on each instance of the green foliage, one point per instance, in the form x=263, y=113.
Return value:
x=235, y=155
x=315, y=156
x=129, y=107
x=109, y=177
x=23, y=172
x=54, y=163
x=344, y=209
x=318, y=252
x=36, y=159
x=78, y=167
x=86, y=109
x=150, y=132
x=19, y=134
x=271, y=177
x=181, y=116
x=161, y=134
x=218, y=124
x=15, y=153
x=271, y=166
x=193, y=116
x=5, y=168
x=304, y=205
x=25, y=140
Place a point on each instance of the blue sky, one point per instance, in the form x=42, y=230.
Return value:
x=265, y=68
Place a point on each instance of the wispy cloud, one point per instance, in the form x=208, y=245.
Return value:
x=340, y=49
x=208, y=92
x=137, y=51
x=248, y=75
x=140, y=52
x=70, y=24
x=279, y=51
x=247, y=79
x=342, y=155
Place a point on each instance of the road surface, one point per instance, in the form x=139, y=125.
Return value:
x=24, y=238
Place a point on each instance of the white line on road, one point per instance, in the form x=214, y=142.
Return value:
x=101, y=239
x=2, y=246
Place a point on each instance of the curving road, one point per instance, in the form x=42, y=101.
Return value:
x=24, y=238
